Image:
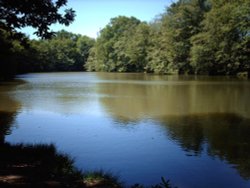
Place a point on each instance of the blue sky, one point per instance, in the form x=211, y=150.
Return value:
x=92, y=15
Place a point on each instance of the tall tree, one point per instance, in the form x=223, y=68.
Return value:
x=131, y=49
x=223, y=46
x=83, y=46
x=157, y=59
x=17, y=14
x=111, y=44
x=180, y=22
x=12, y=51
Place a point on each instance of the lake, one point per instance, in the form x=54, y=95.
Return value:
x=192, y=130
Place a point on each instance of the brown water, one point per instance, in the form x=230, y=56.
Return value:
x=194, y=131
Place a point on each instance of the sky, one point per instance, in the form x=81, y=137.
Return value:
x=93, y=15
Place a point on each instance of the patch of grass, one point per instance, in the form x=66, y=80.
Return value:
x=101, y=179
x=36, y=165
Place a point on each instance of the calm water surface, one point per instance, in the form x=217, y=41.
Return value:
x=194, y=131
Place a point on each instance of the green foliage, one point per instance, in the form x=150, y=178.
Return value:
x=15, y=55
x=64, y=52
x=157, y=57
x=101, y=179
x=12, y=51
x=160, y=47
x=190, y=37
x=37, y=14
x=113, y=50
x=223, y=45
x=180, y=22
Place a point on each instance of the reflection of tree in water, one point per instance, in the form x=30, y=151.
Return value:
x=219, y=132
x=222, y=135
x=134, y=98
x=8, y=108
x=187, y=131
x=6, y=120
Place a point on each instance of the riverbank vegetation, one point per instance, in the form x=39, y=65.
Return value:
x=65, y=51
x=190, y=37
x=42, y=166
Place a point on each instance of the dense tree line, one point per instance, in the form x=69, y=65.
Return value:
x=121, y=46
x=190, y=37
x=63, y=52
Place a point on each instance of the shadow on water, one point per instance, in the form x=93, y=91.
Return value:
x=225, y=136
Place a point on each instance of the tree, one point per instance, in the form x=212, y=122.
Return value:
x=190, y=37
x=17, y=14
x=180, y=22
x=65, y=51
x=137, y=48
x=157, y=60
x=131, y=49
x=83, y=46
x=223, y=45
x=110, y=48
x=12, y=51
x=37, y=14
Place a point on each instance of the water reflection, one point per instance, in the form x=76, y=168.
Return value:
x=201, y=114
x=6, y=120
x=135, y=100
x=8, y=109
x=7, y=102
x=60, y=93
x=221, y=135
